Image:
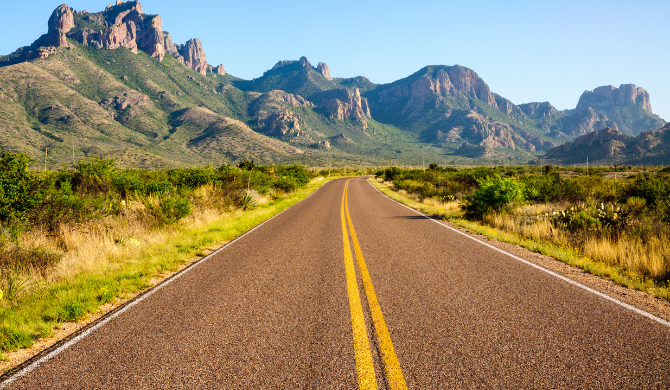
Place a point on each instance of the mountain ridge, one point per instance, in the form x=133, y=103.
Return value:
x=118, y=82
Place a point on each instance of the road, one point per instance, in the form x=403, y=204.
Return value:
x=381, y=298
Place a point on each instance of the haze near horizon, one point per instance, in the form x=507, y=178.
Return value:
x=526, y=51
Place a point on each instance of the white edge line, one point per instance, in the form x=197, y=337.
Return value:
x=552, y=273
x=26, y=370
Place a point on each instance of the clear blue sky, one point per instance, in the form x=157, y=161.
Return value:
x=525, y=50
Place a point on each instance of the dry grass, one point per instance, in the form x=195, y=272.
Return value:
x=651, y=258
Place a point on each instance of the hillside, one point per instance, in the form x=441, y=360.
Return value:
x=611, y=146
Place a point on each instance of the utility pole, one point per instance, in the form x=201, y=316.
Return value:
x=423, y=163
x=73, y=153
x=46, y=152
x=587, y=166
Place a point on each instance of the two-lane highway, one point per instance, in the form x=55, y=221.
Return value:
x=348, y=288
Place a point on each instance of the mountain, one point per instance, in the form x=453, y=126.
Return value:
x=628, y=106
x=611, y=146
x=113, y=83
x=453, y=107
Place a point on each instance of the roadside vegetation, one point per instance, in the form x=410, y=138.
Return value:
x=613, y=221
x=72, y=240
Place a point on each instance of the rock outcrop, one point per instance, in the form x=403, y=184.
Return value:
x=608, y=96
x=194, y=55
x=171, y=48
x=585, y=121
x=595, y=145
x=344, y=104
x=474, y=129
x=537, y=109
x=323, y=145
x=120, y=25
x=304, y=62
x=150, y=37
x=609, y=146
x=61, y=22
x=323, y=69
x=273, y=117
x=220, y=70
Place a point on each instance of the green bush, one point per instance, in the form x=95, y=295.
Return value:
x=494, y=195
x=17, y=191
x=174, y=208
x=192, y=178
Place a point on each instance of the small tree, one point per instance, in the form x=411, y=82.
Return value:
x=17, y=191
x=246, y=165
x=494, y=195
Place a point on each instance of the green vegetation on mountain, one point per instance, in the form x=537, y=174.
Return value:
x=295, y=77
x=92, y=87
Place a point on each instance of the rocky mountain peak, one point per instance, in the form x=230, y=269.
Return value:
x=608, y=96
x=194, y=55
x=323, y=69
x=539, y=109
x=60, y=23
x=304, y=62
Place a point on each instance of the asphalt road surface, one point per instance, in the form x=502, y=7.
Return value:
x=348, y=289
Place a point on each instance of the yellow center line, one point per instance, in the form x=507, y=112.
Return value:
x=394, y=376
x=364, y=368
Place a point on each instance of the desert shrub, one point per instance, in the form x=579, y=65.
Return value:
x=653, y=190
x=18, y=191
x=191, y=178
x=301, y=175
x=175, y=208
x=246, y=165
x=390, y=174
x=494, y=195
x=249, y=200
x=169, y=210
x=286, y=184
x=93, y=175
x=550, y=188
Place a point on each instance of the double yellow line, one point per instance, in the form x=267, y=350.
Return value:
x=364, y=367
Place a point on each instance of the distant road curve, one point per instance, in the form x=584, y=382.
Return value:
x=349, y=289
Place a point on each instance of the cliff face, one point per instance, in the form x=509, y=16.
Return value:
x=344, y=104
x=628, y=106
x=194, y=55
x=608, y=96
x=120, y=25
x=323, y=69
x=584, y=121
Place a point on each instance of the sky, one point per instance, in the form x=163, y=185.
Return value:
x=526, y=51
